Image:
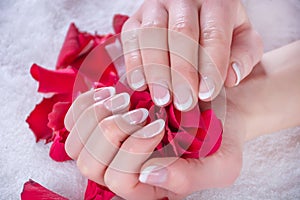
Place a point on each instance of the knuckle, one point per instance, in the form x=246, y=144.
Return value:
x=112, y=181
x=214, y=34
x=132, y=59
x=85, y=170
x=185, y=27
x=129, y=36
x=153, y=24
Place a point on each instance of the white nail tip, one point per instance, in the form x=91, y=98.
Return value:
x=184, y=106
x=138, y=85
x=145, y=173
x=114, y=105
x=137, y=79
x=151, y=129
x=145, y=114
x=237, y=72
x=210, y=86
x=206, y=95
x=111, y=91
x=162, y=101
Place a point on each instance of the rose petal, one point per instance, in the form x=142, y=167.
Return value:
x=74, y=43
x=34, y=191
x=53, y=81
x=57, y=150
x=38, y=118
x=95, y=191
x=118, y=22
x=57, y=115
x=213, y=130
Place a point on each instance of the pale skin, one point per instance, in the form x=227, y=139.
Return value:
x=114, y=149
x=163, y=42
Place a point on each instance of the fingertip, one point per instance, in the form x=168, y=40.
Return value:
x=137, y=80
x=207, y=89
x=184, y=99
x=160, y=94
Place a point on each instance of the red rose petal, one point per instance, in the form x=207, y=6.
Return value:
x=38, y=118
x=57, y=115
x=34, y=191
x=53, y=81
x=95, y=191
x=212, y=136
x=118, y=22
x=57, y=150
x=74, y=43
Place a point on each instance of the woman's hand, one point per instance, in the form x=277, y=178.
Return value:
x=112, y=147
x=189, y=49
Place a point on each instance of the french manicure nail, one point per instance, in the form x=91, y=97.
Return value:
x=236, y=68
x=117, y=102
x=161, y=95
x=103, y=93
x=183, y=98
x=153, y=174
x=135, y=117
x=207, y=88
x=151, y=129
x=137, y=79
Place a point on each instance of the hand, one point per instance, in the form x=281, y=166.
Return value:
x=167, y=43
x=112, y=146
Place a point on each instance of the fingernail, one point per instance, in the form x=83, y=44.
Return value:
x=236, y=68
x=183, y=98
x=155, y=175
x=103, y=93
x=207, y=88
x=161, y=95
x=117, y=102
x=151, y=129
x=137, y=79
x=135, y=117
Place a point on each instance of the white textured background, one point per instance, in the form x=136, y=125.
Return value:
x=33, y=31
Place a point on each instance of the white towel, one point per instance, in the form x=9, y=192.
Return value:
x=33, y=31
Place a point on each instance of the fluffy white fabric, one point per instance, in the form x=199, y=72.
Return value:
x=33, y=31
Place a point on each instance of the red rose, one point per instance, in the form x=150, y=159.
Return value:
x=79, y=69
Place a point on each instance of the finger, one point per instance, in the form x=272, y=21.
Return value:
x=105, y=141
x=153, y=40
x=184, y=176
x=246, y=52
x=132, y=55
x=83, y=102
x=216, y=23
x=89, y=119
x=122, y=175
x=183, y=39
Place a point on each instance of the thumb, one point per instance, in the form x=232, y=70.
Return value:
x=184, y=176
x=246, y=52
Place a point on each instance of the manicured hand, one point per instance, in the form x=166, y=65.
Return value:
x=112, y=147
x=184, y=50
